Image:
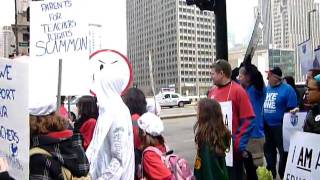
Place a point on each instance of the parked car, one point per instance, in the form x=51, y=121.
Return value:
x=170, y=99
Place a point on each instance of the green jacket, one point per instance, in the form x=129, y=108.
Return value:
x=209, y=166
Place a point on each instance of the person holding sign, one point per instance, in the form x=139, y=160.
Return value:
x=4, y=175
x=230, y=92
x=251, y=79
x=55, y=152
x=312, y=123
x=213, y=140
x=280, y=98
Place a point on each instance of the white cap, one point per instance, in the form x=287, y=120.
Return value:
x=153, y=106
x=151, y=124
x=42, y=106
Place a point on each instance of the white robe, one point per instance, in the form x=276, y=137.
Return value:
x=111, y=153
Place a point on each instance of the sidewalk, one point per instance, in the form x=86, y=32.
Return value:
x=173, y=116
x=179, y=115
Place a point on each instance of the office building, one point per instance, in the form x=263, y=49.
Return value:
x=7, y=42
x=178, y=39
x=286, y=25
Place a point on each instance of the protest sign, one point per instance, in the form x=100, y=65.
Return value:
x=59, y=30
x=226, y=108
x=304, y=157
x=14, y=124
x=316, y=62
x=291, y=124
x=305, y=56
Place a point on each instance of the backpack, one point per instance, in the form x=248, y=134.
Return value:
x=178, y=166
x=67, y=175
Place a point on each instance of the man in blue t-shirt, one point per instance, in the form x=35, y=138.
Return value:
x=280, y=98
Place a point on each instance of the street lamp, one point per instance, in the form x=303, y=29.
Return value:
x=309, y=23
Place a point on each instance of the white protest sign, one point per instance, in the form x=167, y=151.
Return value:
x=58, y=27
x=304, y=157
x=291, y=124
x=14, y=124
x=226, y=108
x=59, y=30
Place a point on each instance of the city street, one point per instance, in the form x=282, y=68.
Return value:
x=180, y=137
x=186, y=110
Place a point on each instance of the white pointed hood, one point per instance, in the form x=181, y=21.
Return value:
x=111, y=152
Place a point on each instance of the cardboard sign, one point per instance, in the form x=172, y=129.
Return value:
x=226, y=108
x=304, y=157
x=291, y=124
x=14, y=124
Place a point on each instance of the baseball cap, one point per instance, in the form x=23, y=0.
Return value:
x=276, y=71
x=151, y=124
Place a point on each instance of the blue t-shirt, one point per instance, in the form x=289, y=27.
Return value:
x=257, y=100
x=278, y=100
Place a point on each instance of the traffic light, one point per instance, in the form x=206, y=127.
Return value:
x=202, y=4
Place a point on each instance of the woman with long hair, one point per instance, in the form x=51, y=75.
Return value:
x=52, y=145
x=88, y=114
x=213, y=140
x=252, y=81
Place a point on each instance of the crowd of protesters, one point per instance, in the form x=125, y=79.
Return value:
x=119, y=135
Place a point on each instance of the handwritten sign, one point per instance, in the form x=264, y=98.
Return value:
x=304, y=157
x=57, y=27
x=59, y=30
x=291, y=124
x=226, y=108
x=14, y=124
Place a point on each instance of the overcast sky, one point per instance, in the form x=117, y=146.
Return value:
x=240, y=18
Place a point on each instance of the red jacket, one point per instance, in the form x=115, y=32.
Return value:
x=86, y=130
x=135, y=128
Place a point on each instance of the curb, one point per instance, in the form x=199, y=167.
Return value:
x=178, y=116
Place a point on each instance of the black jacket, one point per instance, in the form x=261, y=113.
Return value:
x=67, y=152
x=312, y=123
x=5, y=176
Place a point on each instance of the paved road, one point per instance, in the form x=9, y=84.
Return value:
x=179, y=133
x=188, y=109
x=179, y=136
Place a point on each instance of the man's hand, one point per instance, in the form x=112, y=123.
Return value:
x=295, y=110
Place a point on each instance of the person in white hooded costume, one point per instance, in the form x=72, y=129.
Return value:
x=111, y=153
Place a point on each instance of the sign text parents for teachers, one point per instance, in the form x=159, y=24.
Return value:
x=303, y=161
x=14, y=125
x=57, y=28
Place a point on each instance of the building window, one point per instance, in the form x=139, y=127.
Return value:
x=25, y=37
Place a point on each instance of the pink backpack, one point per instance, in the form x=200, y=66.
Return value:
x=178, y=166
